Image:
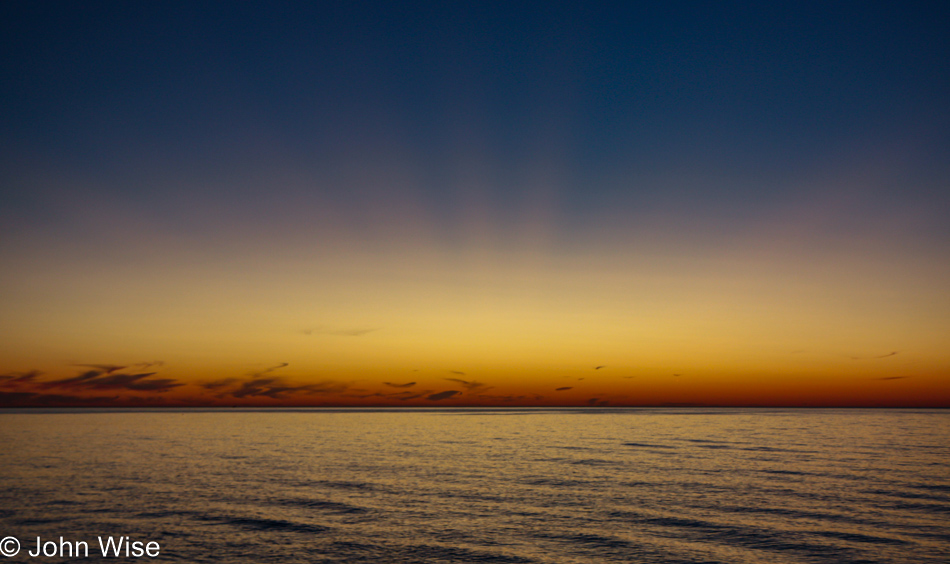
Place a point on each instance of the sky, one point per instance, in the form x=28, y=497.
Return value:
x=493, y=204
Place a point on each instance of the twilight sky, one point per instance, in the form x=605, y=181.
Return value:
x=430, y=204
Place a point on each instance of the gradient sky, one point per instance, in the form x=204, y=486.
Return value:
x=425, y=204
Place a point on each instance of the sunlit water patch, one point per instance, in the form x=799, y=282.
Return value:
x=503, y=486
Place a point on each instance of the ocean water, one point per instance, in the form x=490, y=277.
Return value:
x=480, y=485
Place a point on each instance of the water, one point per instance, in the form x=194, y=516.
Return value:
x=506, y=486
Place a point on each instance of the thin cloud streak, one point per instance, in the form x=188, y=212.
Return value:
x=469, y=385
x=263, y=384
x=218, y=384
x=873, y=357
x=278, y=388
x=15, y=379
x=97, y=380
x=107, y=368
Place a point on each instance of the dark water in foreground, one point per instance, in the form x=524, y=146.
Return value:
x=565, y=486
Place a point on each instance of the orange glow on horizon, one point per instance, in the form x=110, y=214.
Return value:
x=780, y=311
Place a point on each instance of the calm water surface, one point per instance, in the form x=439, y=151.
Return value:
x=510, y=486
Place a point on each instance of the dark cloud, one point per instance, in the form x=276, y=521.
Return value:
x=16, y=379
x=277, y=388
x=894, y=378
x=406, y=385
x=323, y=387
x=599, y=367
x=110, y=368
x=402, y=396
x=218, y=384
x=97, y=380
x=469, y=385
x=269, y=387
x=107, y=368
x=271, y=369
x=74, y=381
x=364, y=396
x=255, y=385
x=29, y=390
x=597, y=401
x=443, y=395
x=564, y=388
x=263, y=384
x=410, y=396
x=146, y=365
x=137, y=382
x=456, y=372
